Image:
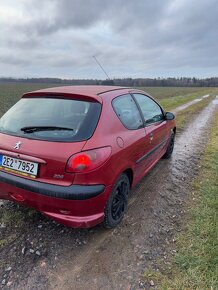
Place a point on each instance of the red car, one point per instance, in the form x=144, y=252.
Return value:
x=74, y=152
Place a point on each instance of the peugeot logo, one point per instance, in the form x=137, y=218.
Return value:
x=17, y=145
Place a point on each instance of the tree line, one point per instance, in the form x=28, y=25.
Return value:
x=128, y=82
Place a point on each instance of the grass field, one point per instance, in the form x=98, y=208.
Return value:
x=169, y=97
x=172, y=97
x=168, y=92
x=10, y=93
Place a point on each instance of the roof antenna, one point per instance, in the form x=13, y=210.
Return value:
x=101, y=66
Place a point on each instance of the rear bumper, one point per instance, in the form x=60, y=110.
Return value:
x=76, y=221
x=79, y=206
x=73, y=192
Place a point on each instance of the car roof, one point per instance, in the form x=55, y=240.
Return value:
x=86, y=91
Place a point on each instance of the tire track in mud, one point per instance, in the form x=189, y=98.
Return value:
x=114, y=259
x=186, y=105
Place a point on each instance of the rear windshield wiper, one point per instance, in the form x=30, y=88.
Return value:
x=32, y=129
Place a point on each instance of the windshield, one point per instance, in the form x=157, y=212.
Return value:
x=51, y=119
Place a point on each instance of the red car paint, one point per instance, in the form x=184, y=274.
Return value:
x=132, y=151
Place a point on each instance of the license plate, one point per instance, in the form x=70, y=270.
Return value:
x=18, y=165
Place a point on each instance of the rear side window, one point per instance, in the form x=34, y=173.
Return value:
x=150, y=109
x=52, y=119
x=127, y=111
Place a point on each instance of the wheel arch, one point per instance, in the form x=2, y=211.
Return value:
x=129, y=173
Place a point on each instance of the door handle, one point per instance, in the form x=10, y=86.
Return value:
x=151, y=135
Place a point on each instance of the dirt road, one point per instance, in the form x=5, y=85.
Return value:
x=44, y=255
x=186, y=105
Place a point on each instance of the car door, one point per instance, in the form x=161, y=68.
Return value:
x=134, y=136
x=156, y=128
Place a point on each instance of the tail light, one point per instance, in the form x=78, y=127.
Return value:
x=88, y=160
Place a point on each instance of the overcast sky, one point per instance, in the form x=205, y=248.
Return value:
x=141, y=38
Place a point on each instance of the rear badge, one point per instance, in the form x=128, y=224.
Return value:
x=58, y=176
x=17, y=145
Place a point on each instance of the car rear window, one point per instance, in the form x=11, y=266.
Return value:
x=51, y=119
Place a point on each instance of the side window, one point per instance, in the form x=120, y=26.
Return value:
x=127, y=111
x=151, y=111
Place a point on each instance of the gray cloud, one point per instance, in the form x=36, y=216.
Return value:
x=131, y=38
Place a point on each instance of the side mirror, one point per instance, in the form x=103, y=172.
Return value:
x=169, y=116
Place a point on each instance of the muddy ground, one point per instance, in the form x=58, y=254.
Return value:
x=44, y=255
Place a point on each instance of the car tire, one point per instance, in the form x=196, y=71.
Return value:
x=170, y=147
x=117, y=202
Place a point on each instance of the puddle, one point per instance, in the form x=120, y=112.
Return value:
x=215, y=102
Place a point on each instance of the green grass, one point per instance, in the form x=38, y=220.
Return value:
x=196, y=264
x=2, y=243
x=173, y=102
x=11, y=217
x=10, y=93
x=169, y=92
x=170, y=98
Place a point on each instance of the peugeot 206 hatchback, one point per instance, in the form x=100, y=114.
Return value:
x=74, y=152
